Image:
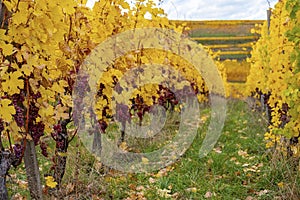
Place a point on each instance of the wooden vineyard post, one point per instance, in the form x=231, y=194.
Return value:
x=269, y=19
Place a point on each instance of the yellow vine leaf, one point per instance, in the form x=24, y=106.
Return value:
x=27, y=69
x=13, y=128
x=47, y=94
x=7, y=49
x=57, y=88
x=67, y=7
x=46, y=112
x=61, y=112
x=10, y=5
x=13, y=84
x=66, y=100
x=7, y=110
x=19, y=18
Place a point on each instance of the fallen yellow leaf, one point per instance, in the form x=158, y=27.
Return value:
x=281, y=184
x=145, y=160
x=50, y=182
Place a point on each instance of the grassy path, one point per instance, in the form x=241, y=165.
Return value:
x=237, y=168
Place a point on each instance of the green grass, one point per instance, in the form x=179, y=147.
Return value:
x=237, y=168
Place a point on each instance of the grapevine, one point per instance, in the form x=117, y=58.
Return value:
x=274, y=76
x=42, y=46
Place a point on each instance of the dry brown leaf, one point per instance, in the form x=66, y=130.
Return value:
x=18, y=196
x=152, y=180
x=139, y=188
x=209, y=194
x=70, y=188
x=262, y=192
x=217, y=150
x=242, y=153
x=233, y=159
x=22, y=184
x=95, y=197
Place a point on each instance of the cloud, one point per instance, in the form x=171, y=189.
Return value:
x=212, y=9
x=216, y=9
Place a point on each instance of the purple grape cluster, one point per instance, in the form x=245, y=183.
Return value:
x=33, y=112
x=19, y=116
x=43, y=147
x=198, y=89
x=57, y=135
x=138, y=107
x=103, y=125
x=17, y=100
x=1, y=126
x=18, y=151
x=166, y=98
x=37, y=131
x=57, y=130
x=36, y=96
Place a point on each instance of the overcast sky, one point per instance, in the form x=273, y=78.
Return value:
x=214, y=9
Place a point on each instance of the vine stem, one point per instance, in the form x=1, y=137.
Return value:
x=27, y=117
x=9, y=140
x=28, y=107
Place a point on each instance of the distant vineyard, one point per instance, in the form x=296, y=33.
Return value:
x=231, y=43
x=229, y=39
